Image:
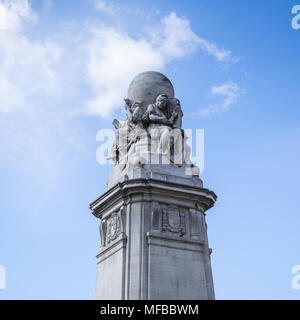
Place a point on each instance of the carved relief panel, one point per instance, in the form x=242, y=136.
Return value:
x=111, y=227
x=168, y=218
x=173, y=220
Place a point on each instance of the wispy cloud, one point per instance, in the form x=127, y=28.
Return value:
x=228, y=92
x=173, y=36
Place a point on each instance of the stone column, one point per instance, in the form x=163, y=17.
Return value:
x=154, y=240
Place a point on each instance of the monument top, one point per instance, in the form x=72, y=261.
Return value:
x=151, y=139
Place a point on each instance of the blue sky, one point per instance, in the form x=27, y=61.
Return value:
x=65, y=67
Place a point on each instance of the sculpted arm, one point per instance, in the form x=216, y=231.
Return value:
x=153, y=116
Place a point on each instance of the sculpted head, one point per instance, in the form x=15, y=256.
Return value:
x=161, y=101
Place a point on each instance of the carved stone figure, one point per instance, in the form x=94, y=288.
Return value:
x=176, y=113
x=152, y=133
x=158, y=113
x=121, y=142
x=126, y=133
x=134, y=112
x=159, y=125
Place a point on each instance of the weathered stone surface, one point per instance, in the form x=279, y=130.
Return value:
x=153, y=231
x=161, y=249
x=147, y=86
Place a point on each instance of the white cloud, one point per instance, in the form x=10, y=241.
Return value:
x=111, y=57
x=219, y=54
x=115, y=57
x=13, y=13
x=229, y=92
x=174, y=38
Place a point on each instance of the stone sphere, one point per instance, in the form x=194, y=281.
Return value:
x=147, y=86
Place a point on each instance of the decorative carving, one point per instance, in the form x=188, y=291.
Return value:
x=173, y=220
x=134, y=113
x=102, y=229
x=176, y=113
x=164, y=226
x=157, y=124
x=155, y=214
x=159, y=112
x=114, y=226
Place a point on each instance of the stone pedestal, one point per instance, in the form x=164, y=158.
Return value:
x=154, y=238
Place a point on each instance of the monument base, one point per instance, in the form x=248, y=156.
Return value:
x=154, y=239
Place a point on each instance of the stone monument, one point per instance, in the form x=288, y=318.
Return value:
x=152, y=216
